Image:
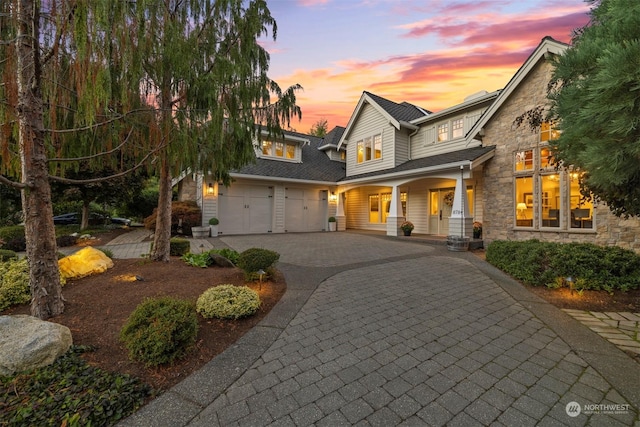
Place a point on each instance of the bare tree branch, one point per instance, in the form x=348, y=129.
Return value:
x=13, y=184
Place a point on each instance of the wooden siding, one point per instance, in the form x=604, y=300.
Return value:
x=424, y=143
x=371, y=122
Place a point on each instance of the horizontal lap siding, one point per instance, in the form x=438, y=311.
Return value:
x=370, y=123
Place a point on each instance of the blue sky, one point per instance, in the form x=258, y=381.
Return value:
x=432, y=53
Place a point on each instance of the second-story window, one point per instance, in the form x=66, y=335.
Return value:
x=369, y=148
x=457, y=128
x=443, y=132
x=279, y=149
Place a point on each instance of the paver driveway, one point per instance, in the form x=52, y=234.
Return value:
x=378, y=331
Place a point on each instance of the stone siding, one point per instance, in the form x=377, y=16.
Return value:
x=499, y=183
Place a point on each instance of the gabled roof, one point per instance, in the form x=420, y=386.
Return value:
x=398, y=115
x=332, y=138
x=315, y=167
x=474, y=156
x=547, y=45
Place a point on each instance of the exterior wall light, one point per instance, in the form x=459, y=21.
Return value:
x=210, y=189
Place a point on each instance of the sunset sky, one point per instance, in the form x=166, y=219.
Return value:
x=432, y=53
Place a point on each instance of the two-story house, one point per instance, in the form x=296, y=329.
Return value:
x=441, y=171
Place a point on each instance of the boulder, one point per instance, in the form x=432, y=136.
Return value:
x=220, y=261
x=27, y=342
x=83, y=263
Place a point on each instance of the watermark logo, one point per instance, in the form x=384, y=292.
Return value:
x=573, y=409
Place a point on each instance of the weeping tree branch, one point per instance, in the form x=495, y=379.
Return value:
x=93, y=156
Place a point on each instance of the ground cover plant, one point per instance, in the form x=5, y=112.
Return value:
x=228, y=302
x=97, y=308
x=589, y=267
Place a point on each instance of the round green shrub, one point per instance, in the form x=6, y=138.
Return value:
x=228, y=302
x=179, y=246
x=255, y=259
x=14, y=283
x=7, y=255
x=160, y=330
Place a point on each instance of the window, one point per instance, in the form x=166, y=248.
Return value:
x=545, y=157
x=550, y=206
x=457, y=128
x=524, y=201
x=581, y=210
x=279, y=149
x=443, y=132
x=381, y=203
x=369, y=148
x=524, y=160
x=548, y=132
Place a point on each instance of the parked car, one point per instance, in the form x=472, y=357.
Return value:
x=94, y=219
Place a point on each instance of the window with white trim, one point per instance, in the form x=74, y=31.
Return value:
x=457, y=128
x=369, y=148
x=443, y=132
x=380, y=205
x=279, y=149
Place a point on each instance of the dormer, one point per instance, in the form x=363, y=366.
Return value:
x=329, y=144
x=287, y=148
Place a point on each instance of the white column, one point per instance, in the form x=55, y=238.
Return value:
x=460, y=222
x=341, y=219
x=395, y=217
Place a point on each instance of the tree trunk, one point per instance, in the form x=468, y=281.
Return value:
x=84, y=217
x=44, y=275
x=162, y=236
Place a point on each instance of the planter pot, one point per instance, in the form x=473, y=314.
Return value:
x=407, y=232
x=458, y=243
x=214, y=230
x=200, y=232
x=332, y=226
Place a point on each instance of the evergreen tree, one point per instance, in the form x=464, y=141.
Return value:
x=595, y=94
x=319, y=128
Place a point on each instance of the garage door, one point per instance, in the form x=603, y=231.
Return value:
x=305, y=210
x=245, y=209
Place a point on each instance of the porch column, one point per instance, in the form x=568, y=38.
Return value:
x=460, y=223
x=341, y=219
x=395, y=218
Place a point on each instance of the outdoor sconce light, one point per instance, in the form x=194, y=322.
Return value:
x=333, y=197
x=210, y=189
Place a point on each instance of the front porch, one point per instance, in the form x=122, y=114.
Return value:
x=431, y=239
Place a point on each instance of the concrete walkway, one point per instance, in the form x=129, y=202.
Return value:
x=381, y=331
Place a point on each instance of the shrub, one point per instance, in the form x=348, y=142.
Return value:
x=178, y=246
x=66, y=240
x=197, y=260
x=254, y=259
x=160, y=330
x=228, y=302
x=214, y=221
x=187, y=211
x=14, y=283
x=229, y=254
x=590, y=266
x=107, y=252
x=7, y=255
x=13, y=237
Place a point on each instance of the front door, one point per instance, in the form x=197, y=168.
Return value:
x=440, y=204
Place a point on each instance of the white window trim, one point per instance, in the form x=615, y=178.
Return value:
x=371, y=140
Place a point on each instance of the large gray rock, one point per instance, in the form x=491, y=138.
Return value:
x=220, y=261
x=27, y=342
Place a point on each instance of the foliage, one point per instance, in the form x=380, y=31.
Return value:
x=160, y=330
x=254, y=259
x=13, y=238
x=142, y=203
x=214, y=221
x=228, y=302
x=544, y=263
x=179, y=246
x=406, y=226
x=66, y=240
x=197, y=260
x=14, y=283
x=10, y=209
x=7, y=255
x=332, y=219
x=230, y=254
x=184, y=215
x=319, y=128
x=69, y=392
x=107, y=252
x=595, y=96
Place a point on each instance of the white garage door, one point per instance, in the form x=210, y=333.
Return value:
x=245, y=209
x=305, y=210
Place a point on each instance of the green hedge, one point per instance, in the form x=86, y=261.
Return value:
x=548, y=264
x=179, y=246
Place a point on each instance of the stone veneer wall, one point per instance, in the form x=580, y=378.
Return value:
x=498, y=190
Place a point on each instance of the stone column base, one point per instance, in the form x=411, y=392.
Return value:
x=455, y=226
x=393, y=225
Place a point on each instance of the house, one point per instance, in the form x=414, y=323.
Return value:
x=442, y=171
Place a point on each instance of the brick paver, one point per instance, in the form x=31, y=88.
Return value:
x=403, y=334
